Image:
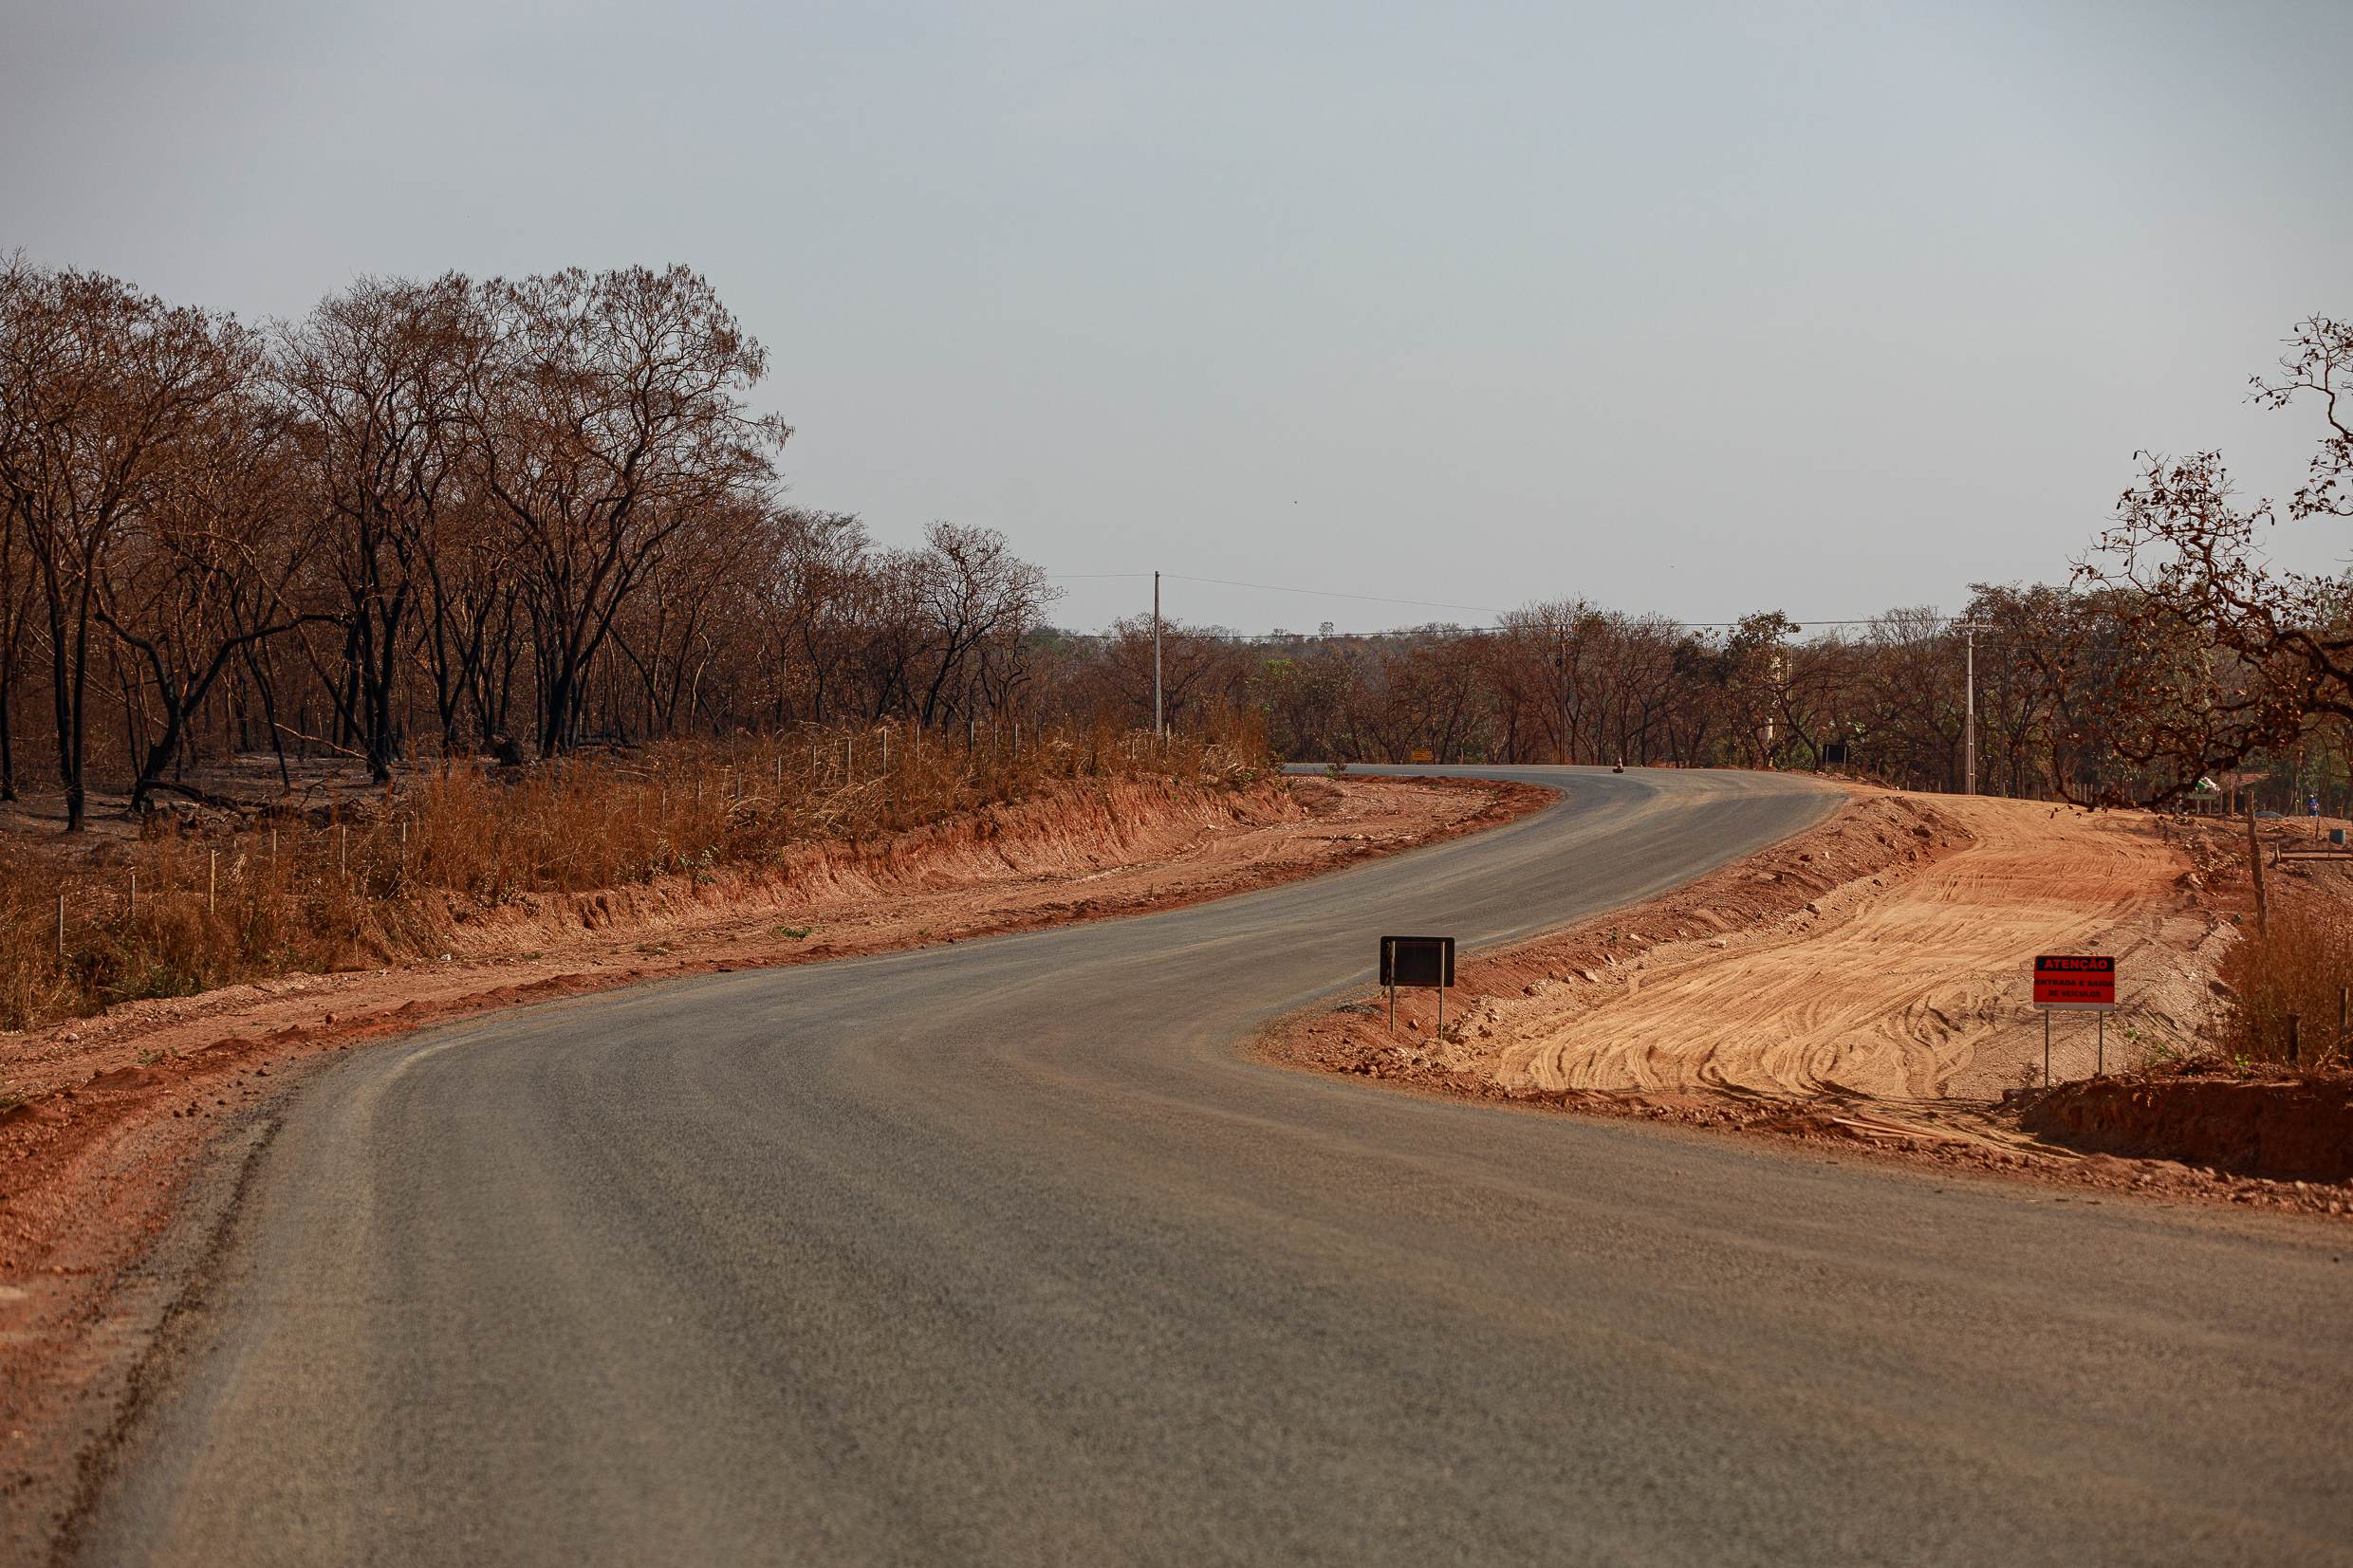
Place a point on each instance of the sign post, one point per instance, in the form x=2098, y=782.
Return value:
x=2084, y=984
x=1426, y=962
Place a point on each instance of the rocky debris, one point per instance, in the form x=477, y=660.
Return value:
x=1319, y=797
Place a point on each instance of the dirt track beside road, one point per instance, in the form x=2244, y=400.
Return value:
x=1910, y=983
x=1881, y=957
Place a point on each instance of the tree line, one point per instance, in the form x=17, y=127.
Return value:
x=1572, y=682
x=439, y=517
x=526, y=516
x=2178, y=661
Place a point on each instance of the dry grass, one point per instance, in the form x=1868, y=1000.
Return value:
x=2300, y=968
x=367, y=882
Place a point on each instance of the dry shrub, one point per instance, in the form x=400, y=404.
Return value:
x=367, y=882
x=2298, y=967
x=588, y=822
x=174, y=917
x=33, y=985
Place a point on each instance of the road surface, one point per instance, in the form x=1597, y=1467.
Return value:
x=998, y=1253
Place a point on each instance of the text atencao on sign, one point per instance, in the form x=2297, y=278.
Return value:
x=2069, y=984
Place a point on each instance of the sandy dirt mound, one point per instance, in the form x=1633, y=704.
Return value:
x=1881, y=957
x=1910, y=984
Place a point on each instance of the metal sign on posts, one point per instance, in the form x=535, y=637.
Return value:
x=1425, y=963
x=1417, y=755
x=2075, y=984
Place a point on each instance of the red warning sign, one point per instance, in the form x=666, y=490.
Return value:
x=2075, y=985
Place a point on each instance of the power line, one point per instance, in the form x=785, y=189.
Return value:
x=1434, y=604
x=1284, y=633
x=1324, y=592
x=1272, y=588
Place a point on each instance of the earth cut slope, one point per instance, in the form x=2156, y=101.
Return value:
x=1907, y=984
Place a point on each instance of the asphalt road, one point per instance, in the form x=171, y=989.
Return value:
x=998, y=1253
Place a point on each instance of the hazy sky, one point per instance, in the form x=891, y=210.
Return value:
x=1689, y=309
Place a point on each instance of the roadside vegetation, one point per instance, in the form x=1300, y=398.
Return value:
x=383, y=876
x=2299, y=967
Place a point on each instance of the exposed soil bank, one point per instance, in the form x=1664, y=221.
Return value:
x=127, y=1113
x=2299, y=1127
x=1864, y=986
x=1655, y=997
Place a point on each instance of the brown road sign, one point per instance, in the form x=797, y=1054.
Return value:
x=1426, y=962
x=1423, y=961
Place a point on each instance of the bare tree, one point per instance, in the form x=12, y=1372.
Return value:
x=673, y=635
x=606, y=417
x=375, y=373
x=17, y=597
x=2221, y=655
x=1198, y=669
x=209, y=569
x=96, y=384
x=820, y=596
x=976, y=597
x=1309, y=700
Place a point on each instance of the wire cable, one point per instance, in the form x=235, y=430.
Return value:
x=1437, y=604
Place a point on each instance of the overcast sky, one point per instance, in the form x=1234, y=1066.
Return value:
x=1689, y=309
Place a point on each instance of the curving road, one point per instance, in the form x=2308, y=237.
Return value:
x=998, y=1254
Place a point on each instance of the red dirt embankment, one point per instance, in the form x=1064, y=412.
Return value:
x=1087, y=851
x=1603, y=977
x=2299, y=1127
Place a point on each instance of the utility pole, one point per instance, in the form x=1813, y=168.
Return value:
x=1969, y=722
x=1159, y=727
x=1560, y=753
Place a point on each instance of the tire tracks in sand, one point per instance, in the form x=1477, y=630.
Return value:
x=1910, y=992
